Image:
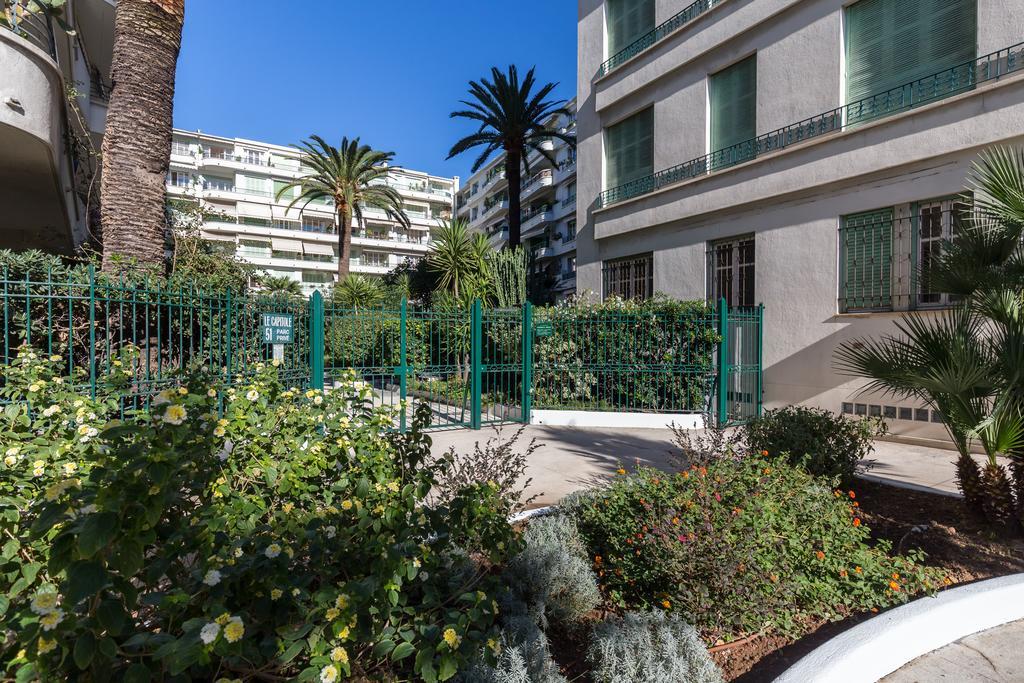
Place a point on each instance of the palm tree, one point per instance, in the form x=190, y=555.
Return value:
x=357, y=291
x=968, y=363
x=353, y=176
x=514, y=119
x=137, y=142
x=281, y=286
x=456, y=255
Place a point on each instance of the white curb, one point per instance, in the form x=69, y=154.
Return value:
x=883, y=644
x=615, y=420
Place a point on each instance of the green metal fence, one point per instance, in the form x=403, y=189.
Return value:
x=473, y=366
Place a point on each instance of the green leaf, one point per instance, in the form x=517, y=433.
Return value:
x=10, y=548
x=293, y=651
x=447, y=668
x=84, y=579
x=127, y=557
x=402, y=651
x=137, y=673
x=383, y=648
x=5, y=604
x=111, y=616
x=85, y=649
x=97, y=531
x=25, y=674
x=108, y=648
x=31, y=570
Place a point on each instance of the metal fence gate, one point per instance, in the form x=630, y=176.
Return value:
x=473, y=367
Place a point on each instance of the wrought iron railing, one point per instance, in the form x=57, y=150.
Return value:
x=657, y=34
x=952, y=81
x=31, y=21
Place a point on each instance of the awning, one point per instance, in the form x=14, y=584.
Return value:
x=319, y=249
x=282, y=244
x=214, y=237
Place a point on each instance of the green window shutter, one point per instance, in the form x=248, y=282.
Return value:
x=629, y=148
x=865, y=261
x=890, y=43
x=734, y=104
x=287, y=196
x=627, y=20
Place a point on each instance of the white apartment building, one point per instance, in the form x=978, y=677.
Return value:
x=54, y=91
x=548, y=197
x=238, y=182
x=803, y=154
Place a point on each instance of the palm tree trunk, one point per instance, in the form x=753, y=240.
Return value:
x=137, y=141
x=344, y=241
x=513, y=164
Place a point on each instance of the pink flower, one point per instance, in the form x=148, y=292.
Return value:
x=682, y=538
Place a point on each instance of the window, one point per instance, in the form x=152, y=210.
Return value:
x=629, y=278
x=938, y=223
x=865, y=261
x=627, y=20
x=570, y=231
x=731, y=271
x=288, y=196
x=254, y=248
x=313, y=224
x=570, y=194
x=179, y=179
x=253, y=156
x=733, y=93
x=629, y=149
x=890, y=43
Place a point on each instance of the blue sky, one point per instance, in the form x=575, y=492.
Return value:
x=388, y=71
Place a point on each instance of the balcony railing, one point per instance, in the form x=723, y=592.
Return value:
x=933, y=88
x=657, y=34
x=533, y=213
x=32, y=21
x=569, y=201
x=536, y=180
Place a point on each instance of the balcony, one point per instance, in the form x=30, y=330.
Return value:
x=656, y=35
x=543, y=252
x=534, y=220
x=494, y=208
x=538, y=182
x=566, y=169
x=493, y=178
x=928, y=90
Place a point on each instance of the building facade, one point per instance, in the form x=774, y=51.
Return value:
x=238, y=182
x=803, y=154
x=548, y=196
x=54, y=90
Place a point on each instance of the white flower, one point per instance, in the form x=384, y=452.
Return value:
x=51, y=411
x=318, y=400
x=163, y=397
x=331, y=531
x=209, y=632
x=70, y=468
x=92, y=431
x=44, y=603
x=13, y=451
x=272, y=551
x=329, y=674
x=50, y=620
x=175, y=414
x=252, y=395
x=212, y=577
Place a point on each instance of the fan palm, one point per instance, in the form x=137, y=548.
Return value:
x=968, y=362
x=352, y=176
x=281, y=286
x=513, y=118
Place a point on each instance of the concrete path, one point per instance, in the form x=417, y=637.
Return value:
x=993, y=656
x=571, y=458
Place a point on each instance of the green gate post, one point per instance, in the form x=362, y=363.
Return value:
x=92, y=330
x=527, y=376
x=723, y=362
x=316, y=340
x=760, y=359
x=402, y=368
x=227, y=365
x=476, y=334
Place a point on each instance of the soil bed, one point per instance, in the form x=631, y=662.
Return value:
x=939, y=525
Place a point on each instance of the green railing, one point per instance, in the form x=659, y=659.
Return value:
x=473, y=366
x=657, y=34
x=932, y=88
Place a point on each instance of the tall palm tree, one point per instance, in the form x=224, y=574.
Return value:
x=353, y=176
x=137, y=142
x=513, y=118
x=456, y=255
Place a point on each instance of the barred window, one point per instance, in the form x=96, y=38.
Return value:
x=865, y=261
x=629, y=278
x=731, y=271
x=938, y=223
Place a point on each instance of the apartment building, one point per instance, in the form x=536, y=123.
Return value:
x=237, y=182
x=54, y=91
x=548, y=197
x=803, y=154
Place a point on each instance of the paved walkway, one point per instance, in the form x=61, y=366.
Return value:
x=993, y=656
x=571, y=458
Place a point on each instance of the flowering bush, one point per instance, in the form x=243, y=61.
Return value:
x=258, y=532
x=740, y=547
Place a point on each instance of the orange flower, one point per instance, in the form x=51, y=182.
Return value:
x=858, y=570
x=767, y=470
x=856, y=504
x=735, y=511
x=852, y=495
x=666, y=604
x=774, y=578
x=686, y=475
x=843, y=573
x=597, y=559
x=894, y=586
x=856, y=521
x=675, y=520
x=764, y=453
x=620, y=471
x=895, y=576
x=820, y=555
x=947, y=581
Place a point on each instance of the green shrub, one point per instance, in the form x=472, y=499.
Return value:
x=824, y=443
x=285, y=536
x=551, y=575
x=524, y=657
x=649, y=647
x=739, y=547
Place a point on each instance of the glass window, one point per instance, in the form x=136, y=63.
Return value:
x=629, y=149
x=733, y=94
x=629, y=278
x=570, y=231
x=627, y=21
x=938, y=223
x=890, y=43
x=731, y=271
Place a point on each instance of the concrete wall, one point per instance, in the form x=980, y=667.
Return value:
x=790, y=200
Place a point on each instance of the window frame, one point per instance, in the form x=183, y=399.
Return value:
x=628, y=277
x=613, y=156
x=736, y=247
x=949, y=226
